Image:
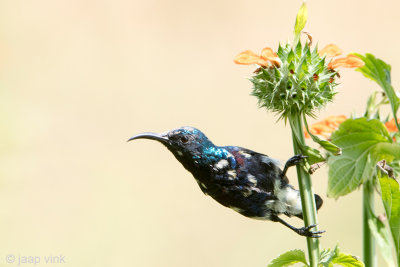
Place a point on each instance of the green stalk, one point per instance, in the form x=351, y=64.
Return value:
x=396, y=121
x=369, y=248
x=306, y=192
x=369, y=253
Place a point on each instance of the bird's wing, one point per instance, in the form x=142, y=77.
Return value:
x=253, y=165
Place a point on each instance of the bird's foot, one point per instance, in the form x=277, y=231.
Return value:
x=295, y=160
x=306, y=231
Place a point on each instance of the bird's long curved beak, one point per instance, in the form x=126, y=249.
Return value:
x=153, y=136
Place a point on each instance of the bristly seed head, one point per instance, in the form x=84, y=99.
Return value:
x=302, y=84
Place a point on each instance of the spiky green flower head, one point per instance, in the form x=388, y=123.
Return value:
x=302, y=84
x=297, y=80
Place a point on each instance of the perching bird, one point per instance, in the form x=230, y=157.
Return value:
x=238, y=178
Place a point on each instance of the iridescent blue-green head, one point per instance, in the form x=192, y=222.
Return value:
x=188, y=144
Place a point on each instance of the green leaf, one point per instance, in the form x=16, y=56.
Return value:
x=289, y=258
x=396, y=167
x=382, y=237
x=371, y=105
x=328, y=146
x=314, y=156
x=347, y=260
x=391, y=200
x=364, y=143
x=379, y=71
x=297, y=52
x=330, y=257
x=326, y=256
x=301, y=19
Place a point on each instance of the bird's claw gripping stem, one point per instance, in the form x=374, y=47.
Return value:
x=293, y=161
x=306, y=231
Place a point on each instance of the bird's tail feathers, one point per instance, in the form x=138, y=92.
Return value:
x=318, y=204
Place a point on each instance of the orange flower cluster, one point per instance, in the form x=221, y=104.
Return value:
x=330, y=124
x=391, y=126
x=326, y=126
x=350, y=61
x=269, y=59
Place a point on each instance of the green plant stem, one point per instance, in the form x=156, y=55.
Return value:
x=369, y=249
x=369, y=253
x=306, y=192
x=396, y=121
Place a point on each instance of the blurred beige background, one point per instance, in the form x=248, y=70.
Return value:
x=79, y=77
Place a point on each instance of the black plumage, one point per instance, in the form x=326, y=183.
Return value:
x=241, y=179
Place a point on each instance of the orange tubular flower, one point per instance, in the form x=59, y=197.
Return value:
x=267, y=59
x=391, y=126
x=350, y=61
x=330, y=124
x=326, y=126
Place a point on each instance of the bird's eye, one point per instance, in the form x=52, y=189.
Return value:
x=184, y=139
